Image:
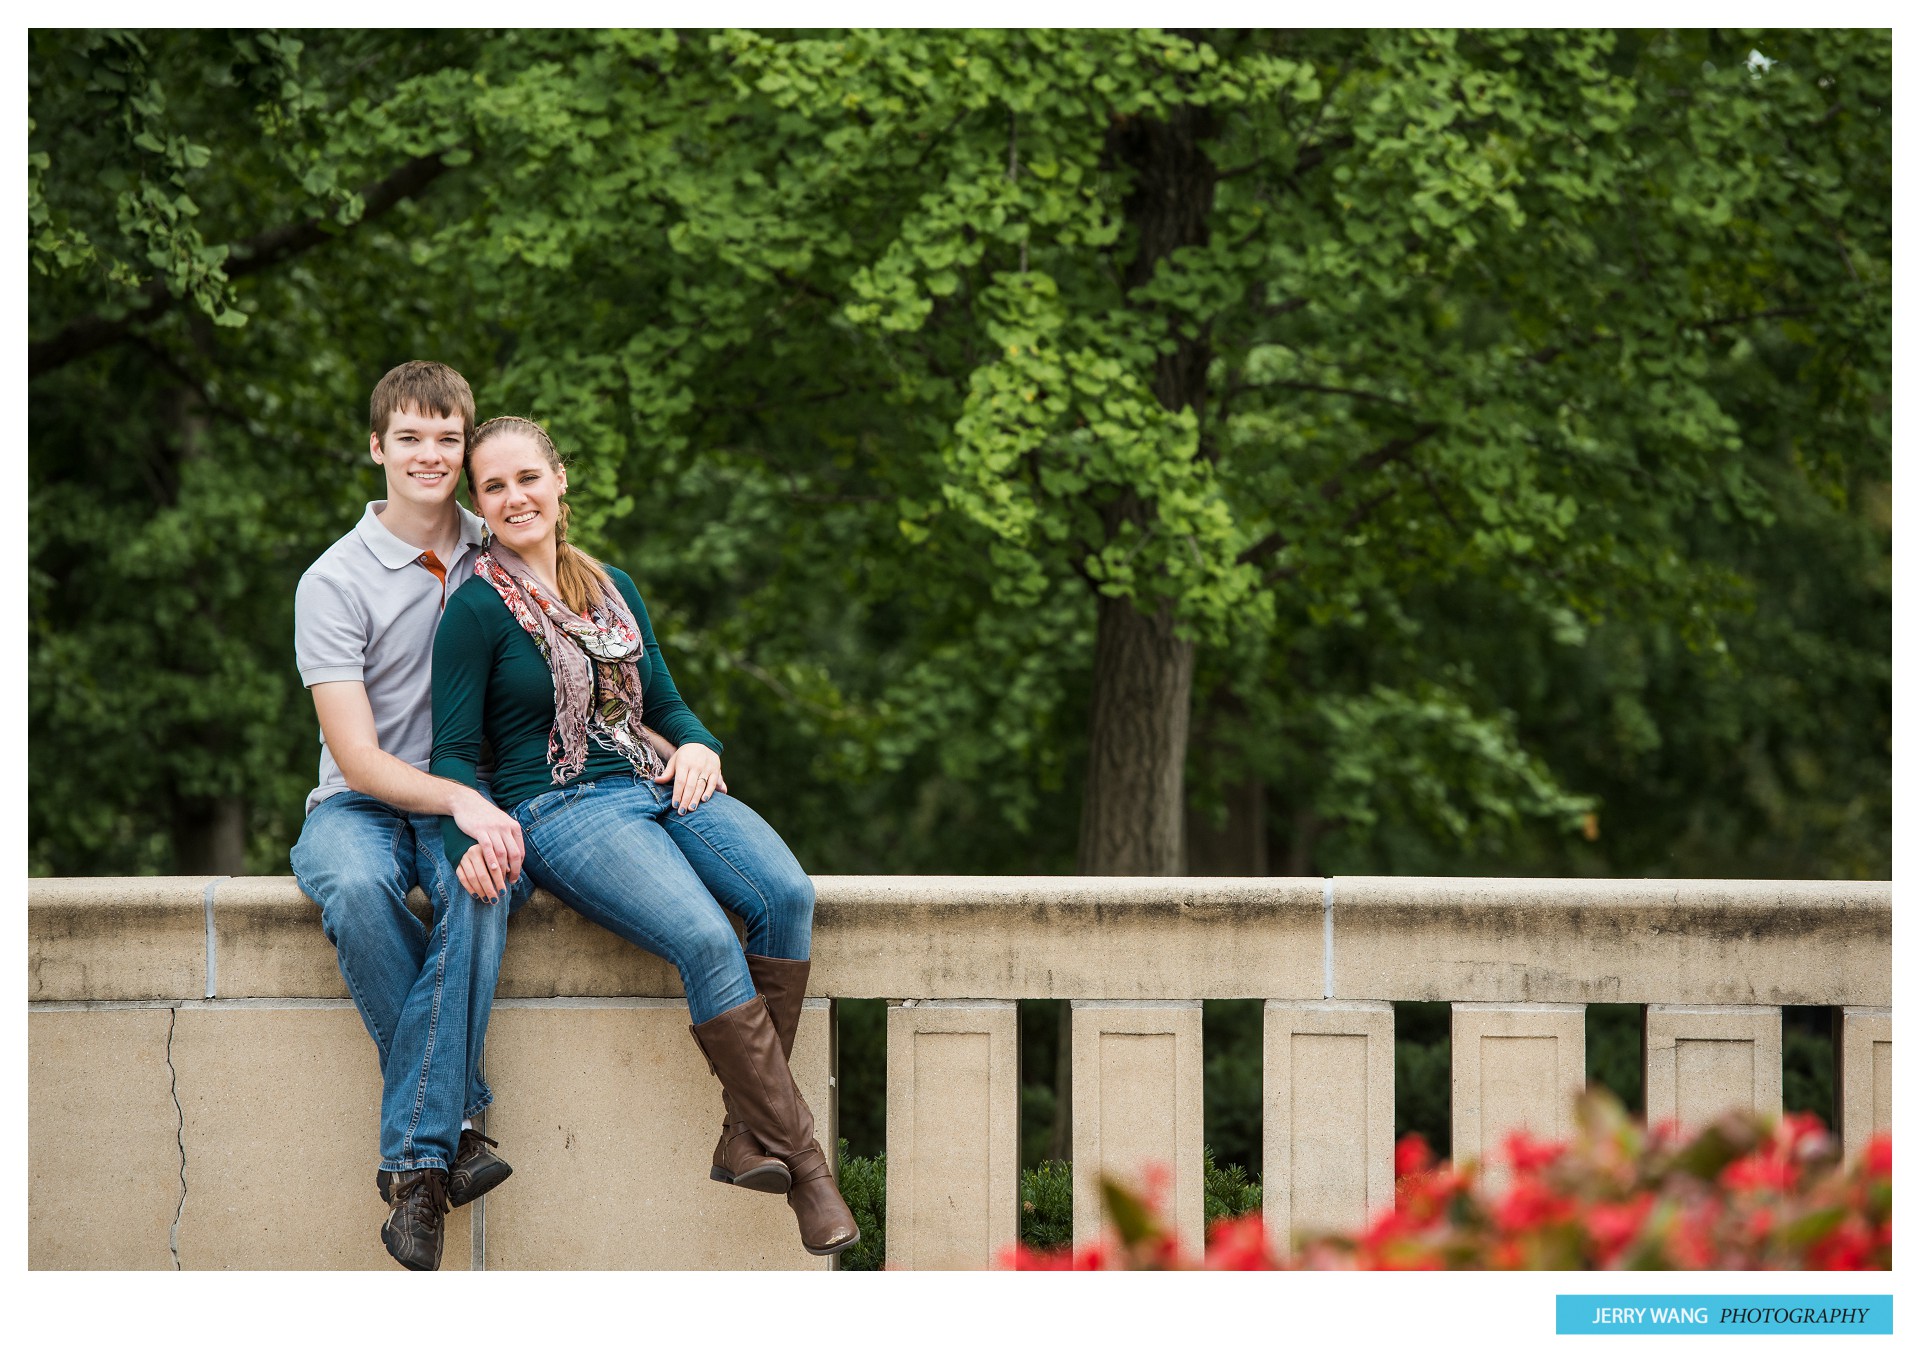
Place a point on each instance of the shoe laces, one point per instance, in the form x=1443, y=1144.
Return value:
x=424, y=1196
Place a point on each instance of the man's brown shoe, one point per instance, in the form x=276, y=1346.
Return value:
x=476, y=1171
x=415, y=1231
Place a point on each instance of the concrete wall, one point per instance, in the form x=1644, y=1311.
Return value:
x=202, y=1094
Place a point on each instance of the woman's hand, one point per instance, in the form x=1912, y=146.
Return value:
x=485, y=880
x=694, y=772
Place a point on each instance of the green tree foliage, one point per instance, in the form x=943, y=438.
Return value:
x=1470, y=448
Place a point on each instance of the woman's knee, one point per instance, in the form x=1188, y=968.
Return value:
x=791, y=902
x=707, y=944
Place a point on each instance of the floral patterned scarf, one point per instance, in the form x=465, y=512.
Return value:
x=592, y=655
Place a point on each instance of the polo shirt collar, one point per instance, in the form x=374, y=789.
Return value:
x=473, y=530
x=395, y=553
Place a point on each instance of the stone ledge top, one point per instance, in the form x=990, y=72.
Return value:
x=1467, y=940
x=880, y=888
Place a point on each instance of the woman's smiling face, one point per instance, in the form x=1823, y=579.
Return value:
x=517, y=490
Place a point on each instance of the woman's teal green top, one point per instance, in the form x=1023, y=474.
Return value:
x=491, y=684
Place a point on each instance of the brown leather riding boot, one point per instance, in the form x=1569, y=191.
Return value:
x=743, y=1050
x=738, y=1158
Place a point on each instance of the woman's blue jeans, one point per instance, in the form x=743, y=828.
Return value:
x=423, y=992
x=616, y=851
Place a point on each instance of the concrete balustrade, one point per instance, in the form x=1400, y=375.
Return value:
x=1863, y=1074
x=1516, y=1067
x=1328, y=1151
x=194, y=1063
x=609, y=1104
x=953, y=1133
x=1701, y=1062
x=1528, y=940
x=1137, y=1107
x=103, y=1138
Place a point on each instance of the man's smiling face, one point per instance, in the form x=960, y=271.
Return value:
x=421, y=453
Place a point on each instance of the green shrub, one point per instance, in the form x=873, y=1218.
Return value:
x=1229, y=1191
x=1046, y=1205
x=1614, y=1054
x=1806, y=1056
x=863, y=1182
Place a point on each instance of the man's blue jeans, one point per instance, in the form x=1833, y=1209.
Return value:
x=617, y=851
x=423, y=992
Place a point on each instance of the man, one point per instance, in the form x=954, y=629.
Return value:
x=364, y=621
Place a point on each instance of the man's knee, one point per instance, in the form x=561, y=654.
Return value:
x=348, y=848
x=361, y=898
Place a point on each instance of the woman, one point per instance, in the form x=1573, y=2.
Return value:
x=553, y=661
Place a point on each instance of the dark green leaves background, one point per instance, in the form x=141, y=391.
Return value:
x=1536, y=519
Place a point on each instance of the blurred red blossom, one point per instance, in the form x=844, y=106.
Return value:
x=1744, y=1193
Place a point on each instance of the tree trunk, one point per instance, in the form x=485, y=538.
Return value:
x=1135, y=802
x=1308, y=827
x=1060, y=1142
x=210, y=836
x=1132, y=814
x=1237, y=849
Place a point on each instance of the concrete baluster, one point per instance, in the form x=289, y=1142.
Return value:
x=1137, y=1108
x=1515, y=1067
x=1863, y=1075
x=1703, y=1060
x=1328, y=1106
x=953, y=1133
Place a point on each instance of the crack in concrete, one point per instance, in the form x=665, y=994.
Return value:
x=180, y=1138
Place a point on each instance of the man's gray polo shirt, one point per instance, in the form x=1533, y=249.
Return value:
x=367, y=610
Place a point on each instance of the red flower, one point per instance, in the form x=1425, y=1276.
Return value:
x=1798, y=1128
x=1619, y=1195
x=1613, y=1226
x=1022, y=1258
x=1239, y=1245
x=1390, y=1222
x=1849, y=1247
x=1528, y=1155
x=1770, y=1171
x=1691, y=1244
x=1093, y=1257
x=1156, y=1181
x=1530, y=1204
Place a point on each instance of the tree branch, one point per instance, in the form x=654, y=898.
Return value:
x=1310, y=387
x=1366, y=509
x=1783, y=312
x=1396, y=449
x=92, y=332
x=1262, y=549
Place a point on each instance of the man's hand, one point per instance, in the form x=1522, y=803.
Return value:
x=694, y=772
x=498, y=850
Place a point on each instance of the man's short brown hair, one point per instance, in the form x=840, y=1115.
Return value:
x=427, y=386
